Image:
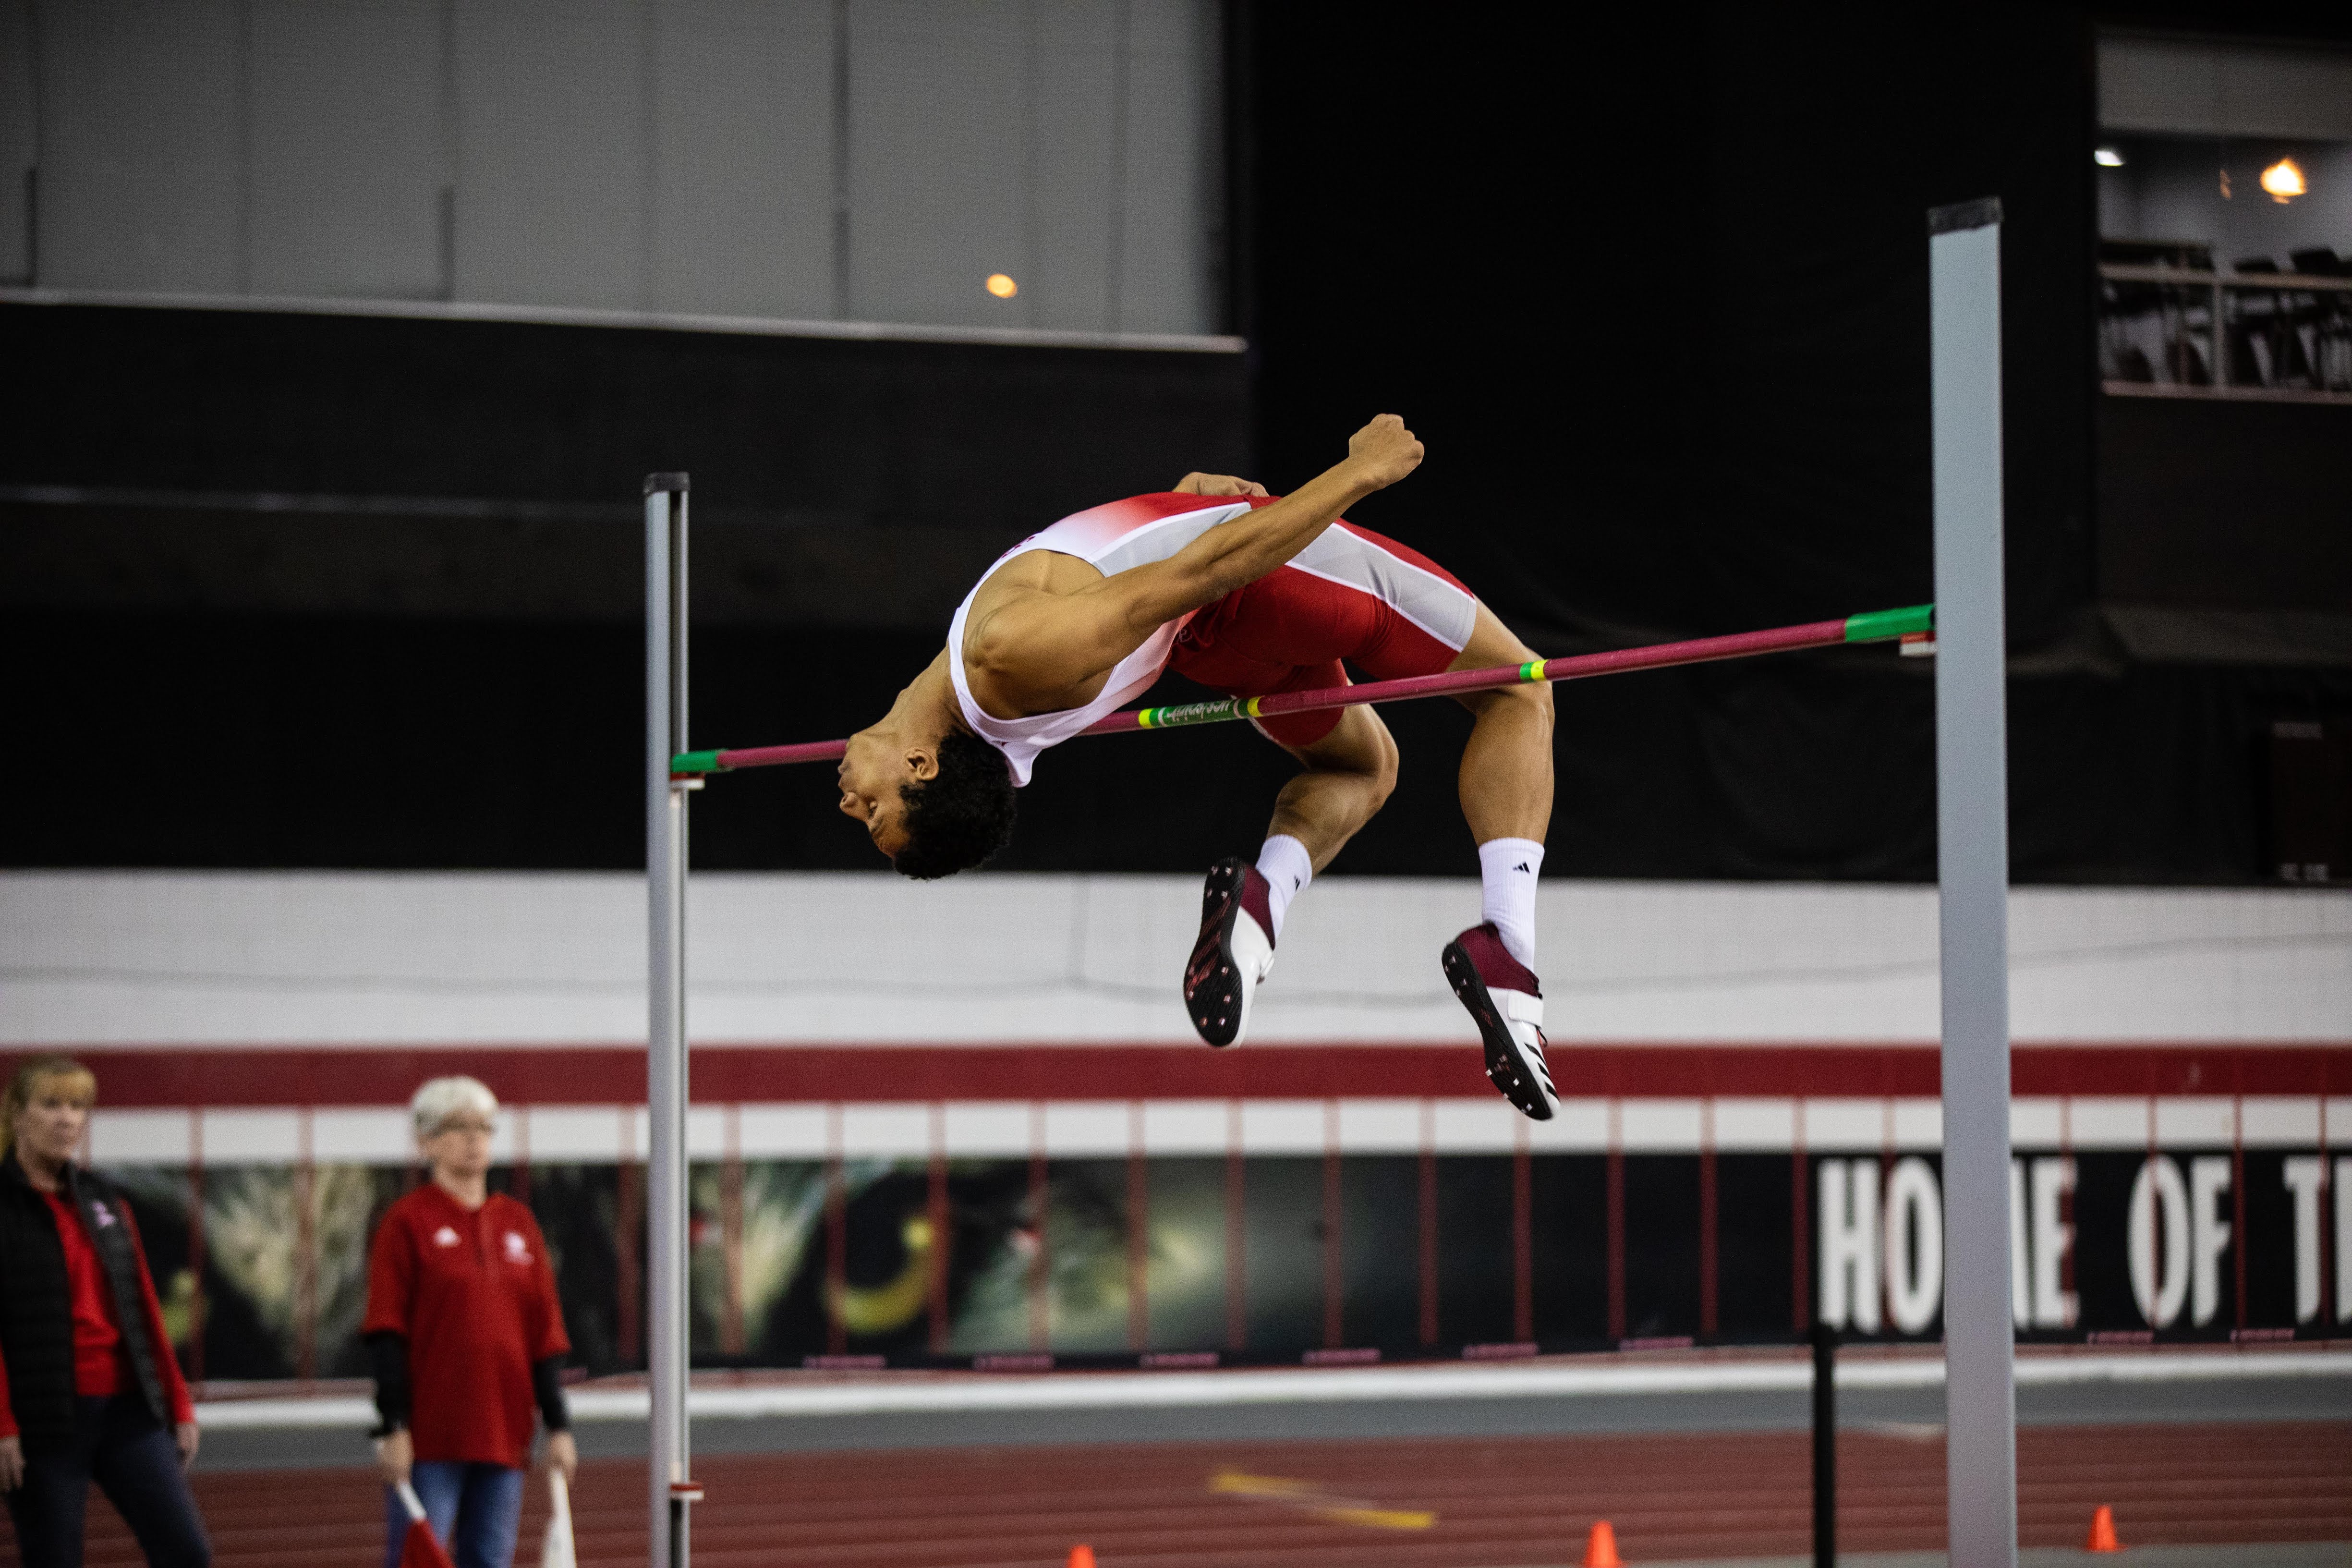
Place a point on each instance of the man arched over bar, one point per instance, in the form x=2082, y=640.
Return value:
x=1248, y=595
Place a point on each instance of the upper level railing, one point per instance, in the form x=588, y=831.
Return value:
x=2170, y=329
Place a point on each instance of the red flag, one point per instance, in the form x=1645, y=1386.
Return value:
x=420, y=1550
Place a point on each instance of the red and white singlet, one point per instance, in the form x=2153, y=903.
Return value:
x=1350, y=594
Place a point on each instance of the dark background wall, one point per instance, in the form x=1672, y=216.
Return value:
x=362, y=593
x=2270, y=530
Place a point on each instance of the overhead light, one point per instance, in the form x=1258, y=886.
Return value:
x=1002, y=286
x=2108, y=158
x=2283, y=181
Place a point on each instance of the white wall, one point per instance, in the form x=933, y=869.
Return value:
x=676, y=156
x=91, y=958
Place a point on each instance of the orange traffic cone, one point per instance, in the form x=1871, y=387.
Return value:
x=2102, y=1532
x=1082, y=1557
x=1600, y=1552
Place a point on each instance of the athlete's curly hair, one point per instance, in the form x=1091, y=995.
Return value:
x=960, y=816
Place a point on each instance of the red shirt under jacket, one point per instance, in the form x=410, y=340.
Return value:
x=472, y=1295
x=97, y=1338
x=100, y=1369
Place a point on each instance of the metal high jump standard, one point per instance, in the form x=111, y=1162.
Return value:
x=1972, y=880
x=1965, y=626
x=665, y=1076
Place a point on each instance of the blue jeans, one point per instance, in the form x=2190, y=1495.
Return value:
x=119, y=1444
x=475, y=1510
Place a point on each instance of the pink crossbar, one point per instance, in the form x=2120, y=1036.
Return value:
x=776, y=756
x=1661, y=656
x=1580, y=667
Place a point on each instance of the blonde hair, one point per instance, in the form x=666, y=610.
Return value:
x=443, y=1098
x=27, y=1080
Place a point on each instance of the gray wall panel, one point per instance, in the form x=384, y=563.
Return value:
x=1172, y=137
x=743, y=154
x=17, y=135
x=665, y=156
x=348, y=158
x=141, y=144
x=937, y=154
x=552, y=151
x=2224, y=89
x=1074, y=111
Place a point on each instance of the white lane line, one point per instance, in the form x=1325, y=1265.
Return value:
x=1177, y=1390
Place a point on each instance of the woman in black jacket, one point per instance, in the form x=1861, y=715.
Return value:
x=88, y=1391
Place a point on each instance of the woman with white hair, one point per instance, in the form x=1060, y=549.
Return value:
x=465, y=1336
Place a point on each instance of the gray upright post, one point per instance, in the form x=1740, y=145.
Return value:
x=1972, y=858
x=666, y=1080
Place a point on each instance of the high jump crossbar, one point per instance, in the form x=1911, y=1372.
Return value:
x=1915, y=625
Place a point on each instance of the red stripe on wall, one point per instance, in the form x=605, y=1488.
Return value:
x=292, y=1076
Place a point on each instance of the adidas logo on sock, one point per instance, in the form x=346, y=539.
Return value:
x=1520, y=867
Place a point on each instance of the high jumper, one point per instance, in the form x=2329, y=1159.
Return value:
x=1249, y=595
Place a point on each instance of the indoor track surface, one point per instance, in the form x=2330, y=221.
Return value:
x=1456, y=1502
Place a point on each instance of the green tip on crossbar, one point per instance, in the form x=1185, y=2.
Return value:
x=695, y=762
x=1878, y=626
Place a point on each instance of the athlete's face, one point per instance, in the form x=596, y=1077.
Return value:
x=869, y=792
x=871, y=772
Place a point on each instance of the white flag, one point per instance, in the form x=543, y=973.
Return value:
x=556, y=1551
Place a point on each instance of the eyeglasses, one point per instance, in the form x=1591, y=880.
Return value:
x=466, y=1126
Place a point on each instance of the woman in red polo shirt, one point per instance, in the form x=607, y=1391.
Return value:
x=465, y=1337
x=89, y=1390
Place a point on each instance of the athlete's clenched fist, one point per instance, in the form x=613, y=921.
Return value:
x=1383, y=452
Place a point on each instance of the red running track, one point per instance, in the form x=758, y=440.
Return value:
x=1496, y=1502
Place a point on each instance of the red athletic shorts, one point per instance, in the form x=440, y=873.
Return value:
x=1351, y=594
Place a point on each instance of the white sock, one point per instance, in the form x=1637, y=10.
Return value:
x=1507, y=868
x=1287, y=868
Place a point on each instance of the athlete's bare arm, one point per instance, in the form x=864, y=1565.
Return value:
x=1043, y=632
x=1217, y=485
